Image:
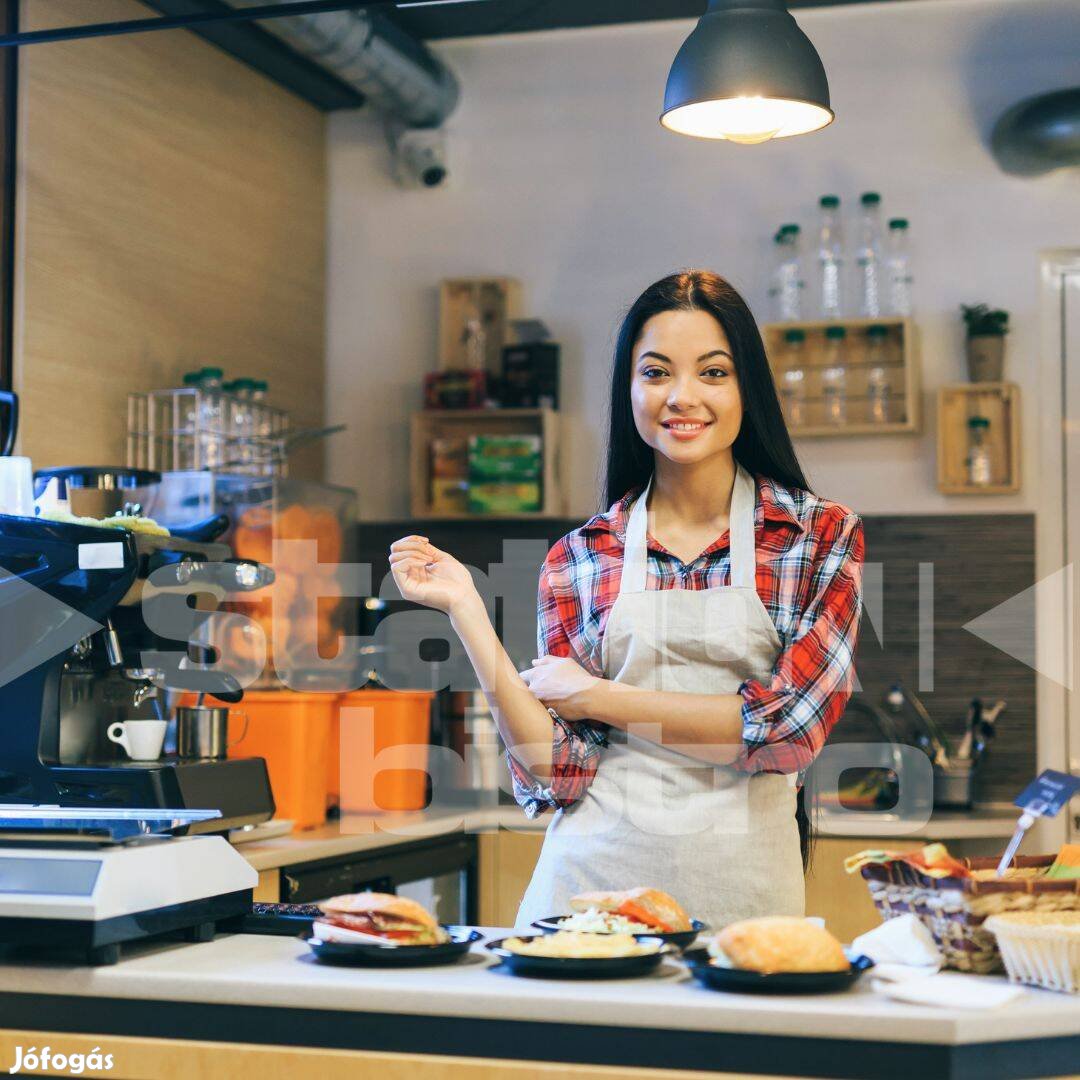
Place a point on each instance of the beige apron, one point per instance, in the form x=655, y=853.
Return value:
x=725, y=844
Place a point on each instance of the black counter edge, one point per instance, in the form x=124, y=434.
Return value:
x=592, y=1044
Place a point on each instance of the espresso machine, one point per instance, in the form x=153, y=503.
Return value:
x=94, y=849
x=76, y=652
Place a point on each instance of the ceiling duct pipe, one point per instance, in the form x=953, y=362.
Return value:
x=1039, y=134
x=396, y=73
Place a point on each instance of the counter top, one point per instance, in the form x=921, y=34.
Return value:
x=247, y=983
x=355, y=833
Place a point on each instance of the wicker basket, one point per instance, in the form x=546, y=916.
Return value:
x=954, y=909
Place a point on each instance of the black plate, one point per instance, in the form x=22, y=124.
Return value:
x=336, y=952
x=679, y=938
x=558, y=967
x=753, y=982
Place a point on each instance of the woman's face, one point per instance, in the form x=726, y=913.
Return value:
x=683, y=387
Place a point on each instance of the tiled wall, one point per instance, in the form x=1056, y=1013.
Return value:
x=978, y=562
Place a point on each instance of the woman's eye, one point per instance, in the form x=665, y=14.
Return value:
x=653, y=372
x=715, y=372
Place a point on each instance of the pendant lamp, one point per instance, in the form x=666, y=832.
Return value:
x=747, y=73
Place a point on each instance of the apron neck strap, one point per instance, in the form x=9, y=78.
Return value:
x=741, y=532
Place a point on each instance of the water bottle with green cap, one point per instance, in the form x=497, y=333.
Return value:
x=830, y=257
x=868, y=254
x=898, y=267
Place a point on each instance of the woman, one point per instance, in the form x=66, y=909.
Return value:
x=696, y=639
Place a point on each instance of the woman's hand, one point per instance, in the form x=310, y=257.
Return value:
x=564, y=685
x=426, y=575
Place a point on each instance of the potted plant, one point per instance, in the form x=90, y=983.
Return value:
x=986, y=330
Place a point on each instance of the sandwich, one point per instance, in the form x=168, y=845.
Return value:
x=777, y=944
x=371, y=918
x=634, y=911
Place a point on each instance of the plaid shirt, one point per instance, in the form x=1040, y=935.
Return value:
x=809, y=578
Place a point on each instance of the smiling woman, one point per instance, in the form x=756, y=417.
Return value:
x=695, y=639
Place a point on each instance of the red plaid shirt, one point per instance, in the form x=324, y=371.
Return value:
x=809, y=578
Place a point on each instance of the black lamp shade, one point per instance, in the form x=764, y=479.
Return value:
x=746, y=73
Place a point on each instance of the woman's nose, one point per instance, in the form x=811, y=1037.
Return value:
x=681, y=395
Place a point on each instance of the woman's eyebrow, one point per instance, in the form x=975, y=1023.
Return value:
x=705, y=356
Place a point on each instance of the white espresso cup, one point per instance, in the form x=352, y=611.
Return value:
x=16, y=486
x=142, y=739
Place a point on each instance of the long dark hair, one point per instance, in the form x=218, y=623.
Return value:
x=763, y=445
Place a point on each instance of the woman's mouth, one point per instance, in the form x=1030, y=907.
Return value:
x=685, y=429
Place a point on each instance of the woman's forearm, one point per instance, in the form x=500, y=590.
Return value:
x=524, y=723
x=705, y=726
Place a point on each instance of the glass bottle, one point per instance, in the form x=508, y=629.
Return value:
x=793, y=380
x=868, y=255
x=878, y=391
x=978, y=462
x=830, y=258
x=243, y=427
x=789, y=283
x=187, y=416
x=898, y=267
x=211, y=419
x=834, y=376
x=474, y=341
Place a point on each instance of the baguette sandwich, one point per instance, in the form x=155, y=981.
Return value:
x=377, y=918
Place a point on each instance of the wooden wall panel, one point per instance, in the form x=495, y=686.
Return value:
x=979, y=561
x=171, y=214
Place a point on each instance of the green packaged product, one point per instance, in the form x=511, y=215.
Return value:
x=504, y=498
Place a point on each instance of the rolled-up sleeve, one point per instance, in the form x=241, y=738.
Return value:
x=575, y=748
x=786, y=721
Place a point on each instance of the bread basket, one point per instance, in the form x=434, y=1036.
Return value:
x=1040, y=948
x=954, y=909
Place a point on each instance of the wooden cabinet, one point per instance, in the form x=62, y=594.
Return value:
x=507, y=859
x=998, y=404
x=460, y=424
x=880, y=396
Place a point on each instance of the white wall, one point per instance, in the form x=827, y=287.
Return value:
x=563, y=178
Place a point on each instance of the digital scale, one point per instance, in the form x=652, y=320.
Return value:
x=93, y=879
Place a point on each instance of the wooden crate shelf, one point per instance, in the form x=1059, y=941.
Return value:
x=495, y=300
x=1000, y=404
x=448, y=423
x=902, y=360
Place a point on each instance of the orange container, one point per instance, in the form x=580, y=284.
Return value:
x=292, y=731
x=370, y=722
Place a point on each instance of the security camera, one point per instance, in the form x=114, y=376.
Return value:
x=420, y=157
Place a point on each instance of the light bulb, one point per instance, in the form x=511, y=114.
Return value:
x=747, y=119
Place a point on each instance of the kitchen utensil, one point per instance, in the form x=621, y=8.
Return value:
x=11, y=400
x=359, y=955
x=932, y=737
x=679, y=938
x=142, y=739
x=737, y=981
x=16, y=486
x=963, y=752
x=202, y=731
x=985, y=729
x=562, y=967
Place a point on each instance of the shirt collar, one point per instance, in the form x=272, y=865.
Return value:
x=774, y=503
